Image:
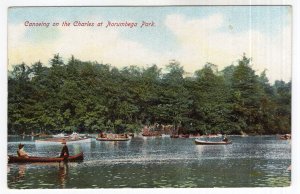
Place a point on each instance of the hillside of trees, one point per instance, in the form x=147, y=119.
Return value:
x=89, y=97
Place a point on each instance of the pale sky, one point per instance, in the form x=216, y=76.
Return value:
x=192, y=35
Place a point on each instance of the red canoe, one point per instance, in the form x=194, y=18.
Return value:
x=199, y=142
x=16, y=159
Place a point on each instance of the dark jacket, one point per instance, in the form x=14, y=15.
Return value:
x=64, y=151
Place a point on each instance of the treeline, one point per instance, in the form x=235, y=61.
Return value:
x=88, y=96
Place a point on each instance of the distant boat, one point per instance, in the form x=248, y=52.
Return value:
x=285, y=137
x=184, y=135
x=43, y=135
x=60, y=135
x=214, y=135
x=113, y=139
x=74, y=135
x=151, y=134
x=60, y=140
x=31, y=159
x=199, y=142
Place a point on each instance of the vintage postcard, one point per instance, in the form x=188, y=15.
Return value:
x=187, y=96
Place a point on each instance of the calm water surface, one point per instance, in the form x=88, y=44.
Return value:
x=259, y=161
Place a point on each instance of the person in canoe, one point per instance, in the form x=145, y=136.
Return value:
x=21, y=152
x=65, y=150
x=225, y=139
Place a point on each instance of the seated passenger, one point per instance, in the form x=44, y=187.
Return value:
x=21, y=152
x=225, y=139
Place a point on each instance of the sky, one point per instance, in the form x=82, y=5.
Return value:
x=192, y=35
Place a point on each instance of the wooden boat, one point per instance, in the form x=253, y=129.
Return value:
x=199, y=142
x=31, y=159
x=112, y=139
x=60, y=140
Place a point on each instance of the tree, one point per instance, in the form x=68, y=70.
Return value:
x=88, y=96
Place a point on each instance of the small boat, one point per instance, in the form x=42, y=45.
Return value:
x=60, y=135
x=43, y=135
x=213, y=136
x=31, y=159
x=285, y=137
x=199, y=142
x=112, y=139
x=60, y=140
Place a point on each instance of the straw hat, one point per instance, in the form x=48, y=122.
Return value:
x=21, y=146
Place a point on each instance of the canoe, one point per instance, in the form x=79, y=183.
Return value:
x=31, y=159
x=199, y=142
x=112, y=139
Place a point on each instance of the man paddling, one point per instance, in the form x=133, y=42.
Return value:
x=65, y=151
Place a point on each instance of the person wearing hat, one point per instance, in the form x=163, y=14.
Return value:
x=65, y=151
x=21, y=152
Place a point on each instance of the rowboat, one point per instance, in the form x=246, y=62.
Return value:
x=31, y=159
x=199, y=142
x=112, y=139
x=60, y=140
x=285, y=137
x=60, y=135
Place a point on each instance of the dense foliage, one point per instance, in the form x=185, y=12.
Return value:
x=88, y=96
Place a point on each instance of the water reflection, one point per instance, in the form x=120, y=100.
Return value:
x=63, y=170
x=21, y=172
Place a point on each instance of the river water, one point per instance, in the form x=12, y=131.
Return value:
x=254, y=161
